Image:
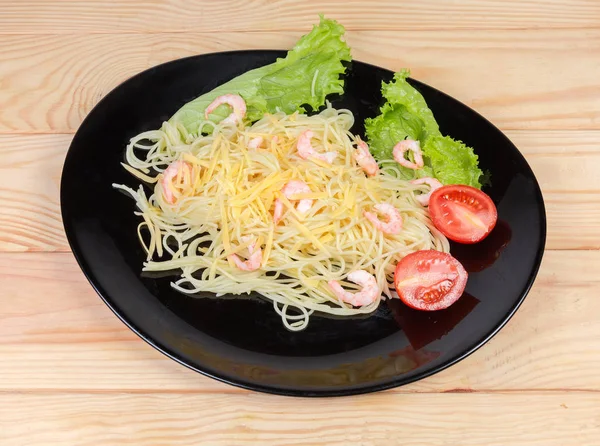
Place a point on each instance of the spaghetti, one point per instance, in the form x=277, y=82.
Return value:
x=222, y=204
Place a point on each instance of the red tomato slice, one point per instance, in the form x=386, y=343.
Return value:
x=429, y=280
x=462, y=213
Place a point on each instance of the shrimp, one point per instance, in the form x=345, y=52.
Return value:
x=364, y=159
x=235, y=101
x=367, y=295
x=255, y=256
x=393, y=223
x=306, y=150
x=404, y=146
x=255, y=143
x=433, y=184
x=179, y=171
x=291, y=188
x=259, y=142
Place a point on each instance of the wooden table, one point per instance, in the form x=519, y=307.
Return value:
x=72, y=374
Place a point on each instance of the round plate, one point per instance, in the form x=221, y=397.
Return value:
x=240, y=339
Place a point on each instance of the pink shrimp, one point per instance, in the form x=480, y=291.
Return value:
x=364, y=159
x=255, y=143
x=433, y=184
x=404, y=146
x=179, y=171
x=393, y=223
x=367, y=295
x=235, y=101
x=259, y=142
x=306, y=150
x=254, y=259
x=291, y=188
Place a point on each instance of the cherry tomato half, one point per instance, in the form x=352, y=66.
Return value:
x=429, y=280
x=462, y=213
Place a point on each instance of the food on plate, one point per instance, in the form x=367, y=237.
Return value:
x=429, y=280
x=462, y=213
x=406, y=128
x=308, y=232
x=244, y=190
x=311, y=71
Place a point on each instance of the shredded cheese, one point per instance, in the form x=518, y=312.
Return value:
x=223, y=203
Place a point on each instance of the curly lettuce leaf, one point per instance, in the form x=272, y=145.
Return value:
x=451, y=161
x=309, y=72
x=394, y=124
x=406, y=115
x=400, y=92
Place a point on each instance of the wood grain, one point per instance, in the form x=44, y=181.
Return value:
x=566, y=164
x=29, y=192
x=126, y=16
x=56, y=334
x=73, y=374
x=373, y=420
x=49, y=84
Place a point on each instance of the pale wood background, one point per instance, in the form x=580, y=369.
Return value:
x=72, y=374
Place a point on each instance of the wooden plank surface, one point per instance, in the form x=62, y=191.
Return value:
x=127, y=16
x=73, y=374
x=49, y=84
x=29, y=192
x=56, y=334
x=384, y=419
x=566, y=164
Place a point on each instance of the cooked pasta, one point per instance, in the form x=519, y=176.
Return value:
x=220, y=203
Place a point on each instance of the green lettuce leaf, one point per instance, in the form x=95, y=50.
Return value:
x=309, y=72
x=451, y=161
x=382, y=136
x=394, y=124
x=400, y=92
x=406, y=115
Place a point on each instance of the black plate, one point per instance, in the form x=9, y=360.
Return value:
x=242, y=340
